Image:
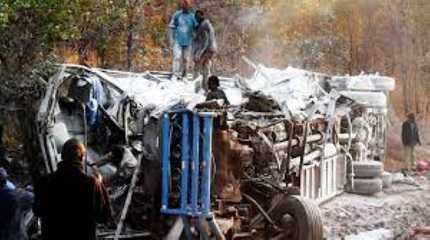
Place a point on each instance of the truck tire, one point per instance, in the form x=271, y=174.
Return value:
x=367, y=186
x=387, y=180
x=368, y=169
x=306, y=217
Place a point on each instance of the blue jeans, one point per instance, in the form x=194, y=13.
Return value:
x=181, y=60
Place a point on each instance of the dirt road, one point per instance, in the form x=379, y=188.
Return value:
x=397, y=209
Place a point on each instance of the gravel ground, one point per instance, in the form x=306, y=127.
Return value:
x=402, y=207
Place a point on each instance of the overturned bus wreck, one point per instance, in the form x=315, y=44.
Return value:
x=178, y=166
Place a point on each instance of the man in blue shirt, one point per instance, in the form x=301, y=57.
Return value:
x=182, y=27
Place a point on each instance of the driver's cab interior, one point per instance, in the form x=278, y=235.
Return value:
x=93, y=111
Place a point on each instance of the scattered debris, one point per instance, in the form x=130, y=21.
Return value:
x=398, y=209
x=378, y=234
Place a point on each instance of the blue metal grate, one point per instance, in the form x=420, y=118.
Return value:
x=195, y=163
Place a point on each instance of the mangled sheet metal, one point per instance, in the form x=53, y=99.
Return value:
x=297, y=92
x=163, y=94
x=281, y=122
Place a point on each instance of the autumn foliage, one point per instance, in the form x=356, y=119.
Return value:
x=331, y=36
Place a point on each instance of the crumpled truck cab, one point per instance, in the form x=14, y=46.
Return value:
x=83, y=104
x=284, y=144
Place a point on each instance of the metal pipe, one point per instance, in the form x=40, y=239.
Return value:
x=286, y=168
x=165, y=160
x=302, y=157
x=344, y=137
x=270, y=145
x=195, y=164
x=185, y=159
x=273, y=124
x=257, y=219
x=129, y=197
x=307, y=158
x=207, y=163
x=286, y=144
x=295, y=141
x=260, y=209
x=348, y=117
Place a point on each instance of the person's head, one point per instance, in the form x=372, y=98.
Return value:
x=200, y=16
x=411, y=116
x=3, y=177
x=73, y=151
x=185, y=4
x=213, y=83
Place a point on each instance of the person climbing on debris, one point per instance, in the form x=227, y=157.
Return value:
x=14, y=205
x=215, y=93
x=227, y=185
x=69, y=202
x=410, y=138
x=182, y=28
x=204, y=48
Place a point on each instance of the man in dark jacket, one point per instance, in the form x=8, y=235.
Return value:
x=204, y=47
x=69, y=202
x=215, y=93
x=410, y=138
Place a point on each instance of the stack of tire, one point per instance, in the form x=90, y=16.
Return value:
x=368, y=177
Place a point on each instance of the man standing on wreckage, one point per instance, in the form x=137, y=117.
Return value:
x=227, y=158
x=182, y=27
x=204, y=48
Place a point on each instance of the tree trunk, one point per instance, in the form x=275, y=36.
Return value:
x=130, y=45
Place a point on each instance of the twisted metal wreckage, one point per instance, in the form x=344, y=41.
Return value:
x=290, y=138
